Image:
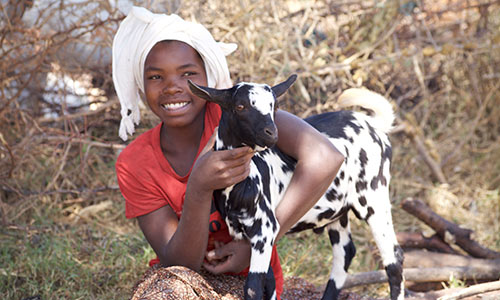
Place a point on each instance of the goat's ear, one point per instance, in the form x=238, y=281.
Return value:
x=221, y=97
x=281, y=88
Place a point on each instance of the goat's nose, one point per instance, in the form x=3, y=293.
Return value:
x=272, y=133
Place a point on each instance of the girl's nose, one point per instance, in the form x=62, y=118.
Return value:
x=171, y=87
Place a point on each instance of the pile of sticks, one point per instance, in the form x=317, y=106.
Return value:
x=449, y=254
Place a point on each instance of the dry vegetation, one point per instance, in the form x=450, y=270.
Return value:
x=63, y=230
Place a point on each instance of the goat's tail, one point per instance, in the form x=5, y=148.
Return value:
x=382, y=109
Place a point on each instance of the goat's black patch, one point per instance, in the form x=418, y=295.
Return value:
x=281, y=186
x=243, y=196
x=362, y=200
x=387, y=155
x=395, y=274
x=334, y=236
x=374, y=135
x=270, y=285
x=259, y=246
x=346, y=153
x=362, y=173
x=350, y=252
x=361, y=185
x=266, y=207
x=319, y=230
x=369, y=213
x=332, y=195
x=363, y=158
x=263, y=168
x=335, y=123
x=254, y=283
x=331, y=291
x=254, y=229
x=301, y=226
x=344, y=220
x=327, y=214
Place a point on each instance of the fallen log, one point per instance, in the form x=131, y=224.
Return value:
x=473, y=290
x=439, y=274
x=419, y=241
x=446, y=230
x=427, y=259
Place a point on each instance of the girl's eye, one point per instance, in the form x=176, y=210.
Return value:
x=154, y=77
x=186, y=74
x=240, y=107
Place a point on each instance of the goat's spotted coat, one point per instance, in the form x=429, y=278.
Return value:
x=362, y=183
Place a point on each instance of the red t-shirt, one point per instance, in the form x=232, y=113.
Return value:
x=148, y=182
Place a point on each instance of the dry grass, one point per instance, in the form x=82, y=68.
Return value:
x=438, y=62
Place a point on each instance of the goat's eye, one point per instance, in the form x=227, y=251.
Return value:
x=240, y=107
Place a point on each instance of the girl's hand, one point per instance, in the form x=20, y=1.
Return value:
x=219, y=169
x=232, y=257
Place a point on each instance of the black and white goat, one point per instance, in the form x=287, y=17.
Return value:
x=362, y=183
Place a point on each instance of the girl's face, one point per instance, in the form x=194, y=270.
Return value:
x=167, y=69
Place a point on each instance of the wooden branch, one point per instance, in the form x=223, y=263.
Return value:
x=490, y=272
x=446, y=230
x=427, y=259
x=419, y=241
x=65, y=139
x=473, y=290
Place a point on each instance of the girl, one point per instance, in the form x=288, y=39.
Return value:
x=168, y=174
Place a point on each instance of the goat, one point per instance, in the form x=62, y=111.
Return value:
x=362, y=183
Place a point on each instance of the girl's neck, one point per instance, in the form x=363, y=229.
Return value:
x=180, y=144
x=174, y=140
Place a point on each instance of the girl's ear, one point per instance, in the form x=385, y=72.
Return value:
x=281, y=88
x=221, y=97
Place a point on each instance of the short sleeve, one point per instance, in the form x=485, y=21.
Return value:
x=140, y=196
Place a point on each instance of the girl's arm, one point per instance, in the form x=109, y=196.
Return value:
x=184, y=241
x=318, y=162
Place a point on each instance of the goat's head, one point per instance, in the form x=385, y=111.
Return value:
x=247, y=112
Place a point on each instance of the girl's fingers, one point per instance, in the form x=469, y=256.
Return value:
x=234, y=154
x=218, y=268
x=210, y=144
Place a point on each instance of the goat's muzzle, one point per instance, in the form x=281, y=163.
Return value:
x=269, y=136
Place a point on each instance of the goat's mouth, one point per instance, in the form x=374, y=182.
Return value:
x=269, y=143
x=258, y=148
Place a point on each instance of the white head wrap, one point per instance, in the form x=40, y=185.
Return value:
x=137, y=35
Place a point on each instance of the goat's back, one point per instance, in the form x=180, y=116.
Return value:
x=367, y=153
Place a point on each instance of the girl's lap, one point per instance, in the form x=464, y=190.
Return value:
x=182, y=283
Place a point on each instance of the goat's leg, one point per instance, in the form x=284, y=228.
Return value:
x=380, y=221
x=258, y=284
x=343, y=250
x=270, y=285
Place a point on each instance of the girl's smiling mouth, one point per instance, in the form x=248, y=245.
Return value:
x=174, y=106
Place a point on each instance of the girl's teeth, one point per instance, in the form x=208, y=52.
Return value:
x=174, y=105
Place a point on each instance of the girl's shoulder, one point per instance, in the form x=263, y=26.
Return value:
x=141, y=148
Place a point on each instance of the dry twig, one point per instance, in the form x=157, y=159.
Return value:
x=447, y=231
